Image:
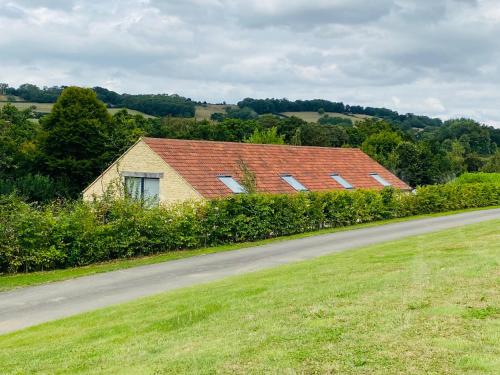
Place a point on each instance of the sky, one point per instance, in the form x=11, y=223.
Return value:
x=435, y=57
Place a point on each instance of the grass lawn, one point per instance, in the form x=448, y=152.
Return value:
x=8, y=282
x=424, y=305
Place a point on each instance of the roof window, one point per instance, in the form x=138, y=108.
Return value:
x=232, y=184
x=341, y=180
x=293, y=182
x=379, y=179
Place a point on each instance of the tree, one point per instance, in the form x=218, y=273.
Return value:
x=3, y=88
x=266, y=136
x=217, y=116
x=17, y=142
x=493, y=164
x=456, y=155
x=296, y=138
x=381, y=145
x=76, y=132
x=244, y=113
x=248, y=177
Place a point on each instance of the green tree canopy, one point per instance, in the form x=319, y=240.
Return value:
x=75, y=137
x=266, y=136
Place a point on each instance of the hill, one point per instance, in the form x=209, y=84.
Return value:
x=315, y=116
x=47, y=107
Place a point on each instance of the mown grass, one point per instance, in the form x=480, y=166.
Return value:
x=11, y=281
x=424, y=305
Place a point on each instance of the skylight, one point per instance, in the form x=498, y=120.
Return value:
x=341, y=181
x=294, y=183
x=379, y=179
x=232, y=184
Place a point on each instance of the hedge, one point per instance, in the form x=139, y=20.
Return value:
x=478, y=177
x=59, y=235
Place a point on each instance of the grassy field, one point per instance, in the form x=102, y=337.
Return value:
x=315, y=116
x=424, y=305
x=47, y=107
x=203, y=112
x=12, y=281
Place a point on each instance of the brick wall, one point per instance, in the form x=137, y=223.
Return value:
x=140, y=158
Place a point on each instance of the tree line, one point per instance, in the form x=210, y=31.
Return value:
x=66, y=149
x=406, y=121
x=151, y=104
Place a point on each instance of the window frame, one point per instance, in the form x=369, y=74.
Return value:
x=342, y=181
x=142, y=178
x=241, y=189
x=299, y=186
x=382, y=181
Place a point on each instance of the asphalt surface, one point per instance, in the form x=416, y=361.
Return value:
x=29, y=306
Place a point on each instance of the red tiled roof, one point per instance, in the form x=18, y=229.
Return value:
x=200, y=162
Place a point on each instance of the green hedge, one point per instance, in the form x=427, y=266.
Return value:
x=74, y=234
x=478, y=177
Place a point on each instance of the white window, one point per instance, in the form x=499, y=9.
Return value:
x=341, y=181
x=293, y=182
x=232, y=184
x=379, y=179
x=143, y=188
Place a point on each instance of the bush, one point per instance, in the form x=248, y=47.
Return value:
x=478, y=177
x=60, y=235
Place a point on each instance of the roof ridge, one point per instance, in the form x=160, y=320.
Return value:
x=251, y=144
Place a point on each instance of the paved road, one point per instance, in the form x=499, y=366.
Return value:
x=33, y=305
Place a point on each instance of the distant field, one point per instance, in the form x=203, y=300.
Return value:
x=47, y=107
x=315, y=116
x=204, y=112
x=16, y=98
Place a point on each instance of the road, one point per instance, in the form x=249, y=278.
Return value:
x=29, y=306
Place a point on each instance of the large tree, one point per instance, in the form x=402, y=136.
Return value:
x=75, y=137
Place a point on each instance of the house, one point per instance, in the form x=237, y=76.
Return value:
x=172, y=170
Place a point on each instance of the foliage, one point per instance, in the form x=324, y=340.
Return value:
x=421, y=305
x=493, y=164
x=74, y=141
x=154, y=105
x=332, y=120
x=381, y=146
x=473, y=178
x=72, y=146
x=61, y=235
x=248, y=177
x=32, y=93
x=244, y=113
x=267, y=136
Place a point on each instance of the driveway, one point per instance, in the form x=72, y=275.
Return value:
x=34, y=305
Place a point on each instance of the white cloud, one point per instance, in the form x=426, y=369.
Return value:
x=435, y=57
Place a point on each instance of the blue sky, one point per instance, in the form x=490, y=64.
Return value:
x=439, y=58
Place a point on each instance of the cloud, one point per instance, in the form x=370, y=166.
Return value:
x=435, y=57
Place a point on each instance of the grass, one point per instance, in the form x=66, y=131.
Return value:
x=424, y=305
x=47, y=107
x=315, y=116
x=8, y=282
x=203, y=112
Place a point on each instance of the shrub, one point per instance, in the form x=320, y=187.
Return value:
x=60, y=235
x=478, y=177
